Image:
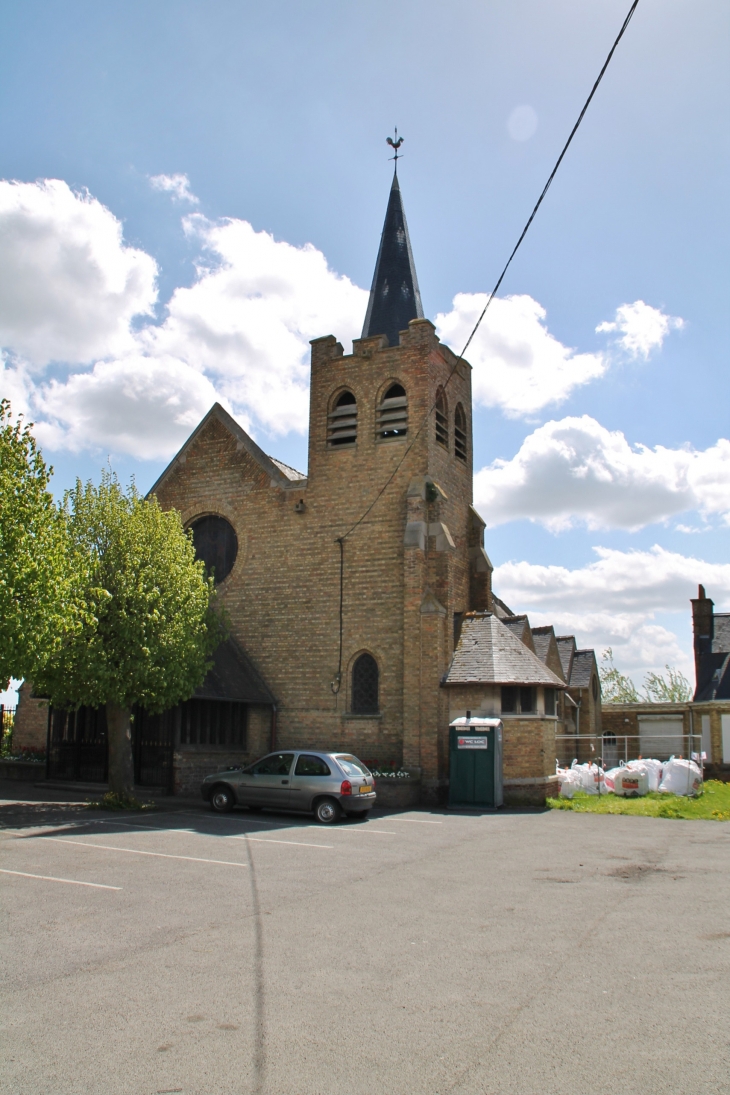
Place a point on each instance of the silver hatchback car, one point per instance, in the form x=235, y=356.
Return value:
x=325, y=784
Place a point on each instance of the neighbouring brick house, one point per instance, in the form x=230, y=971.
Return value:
x=347, y=587
x=702, y=724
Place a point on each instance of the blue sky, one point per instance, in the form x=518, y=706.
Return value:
x=128, y=305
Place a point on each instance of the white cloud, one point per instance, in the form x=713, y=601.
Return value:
x=176, y=185
x=614, y=601
x=145, y=406
x=69, y=287
x=72, y=292
x=576, y=471
x=518, y=366
x=522, y=123
x=248, y=319
x=641, y=328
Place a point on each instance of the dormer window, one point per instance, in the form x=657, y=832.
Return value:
x=460, y=433
x=392, y=416
x=442, y=419
x=342, y=421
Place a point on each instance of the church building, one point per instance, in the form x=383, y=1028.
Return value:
x=348, y=587
x=358, y=594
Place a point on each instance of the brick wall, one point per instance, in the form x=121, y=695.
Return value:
x=30, y=730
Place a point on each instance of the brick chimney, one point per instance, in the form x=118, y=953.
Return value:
x=702, y=627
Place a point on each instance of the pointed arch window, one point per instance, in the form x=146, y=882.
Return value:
x=365, y=681
x=442, y=419
x=392, y=416
x=460, y=432
x=342, y=421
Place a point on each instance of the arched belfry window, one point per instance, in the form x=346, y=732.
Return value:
x=392, y=416
x=342, y=421
x=460, y=432
x=442, y=419
x=365, y=685
x=216, y=543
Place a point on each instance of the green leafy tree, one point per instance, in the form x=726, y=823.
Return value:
x=672, y=688
x=149, y=626
x=658, y=687
x=615, y=687
x=36, y=574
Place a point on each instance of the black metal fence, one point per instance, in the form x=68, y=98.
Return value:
x=78, y=747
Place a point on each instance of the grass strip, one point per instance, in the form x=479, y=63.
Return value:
x=712, y=804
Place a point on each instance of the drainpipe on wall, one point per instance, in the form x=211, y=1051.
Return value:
x=273, y=727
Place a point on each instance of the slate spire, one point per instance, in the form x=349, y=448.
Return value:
x=395, y=298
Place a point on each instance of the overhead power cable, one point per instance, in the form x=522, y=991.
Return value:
x=500, y=279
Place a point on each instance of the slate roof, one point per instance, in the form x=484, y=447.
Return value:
x=566, y=650
x=582, y=669
x=291, y=473
x=233, y=676
x=500, y=608
x=518, y=625
x=488, y=653
x=721, y=633
x=395, y=298
x=541, y=639
x=713, y=681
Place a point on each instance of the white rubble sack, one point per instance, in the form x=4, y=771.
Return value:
x=630, y=782
x=591, y=778
x=609, y=777
x=569, y=781
x=681, y=777
x=653, y=769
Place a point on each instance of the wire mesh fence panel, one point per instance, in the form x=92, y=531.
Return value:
x=613, y=750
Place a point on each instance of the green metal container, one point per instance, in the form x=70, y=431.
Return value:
x=475, y=763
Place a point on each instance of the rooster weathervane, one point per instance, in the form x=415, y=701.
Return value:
x=395, y=143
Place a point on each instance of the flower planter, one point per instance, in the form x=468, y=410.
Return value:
x=28, y=770
x=398, y=793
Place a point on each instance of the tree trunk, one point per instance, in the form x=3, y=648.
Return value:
x=121, y=761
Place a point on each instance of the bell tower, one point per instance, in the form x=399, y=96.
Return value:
x=390, y=482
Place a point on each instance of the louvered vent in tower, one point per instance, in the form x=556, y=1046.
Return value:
x=460, y=432
x=342, y=421
x=442, y=419
x=392, y=416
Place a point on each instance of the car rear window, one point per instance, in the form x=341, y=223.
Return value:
x=311, y=766
x=351, y=765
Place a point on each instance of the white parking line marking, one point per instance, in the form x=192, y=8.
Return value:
x=228, y=836
x=136, y=851
x=415, y=821
x=272, y=840
x=68, y=881
x=361, y=829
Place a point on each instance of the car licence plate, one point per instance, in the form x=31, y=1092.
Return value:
x=365, y=790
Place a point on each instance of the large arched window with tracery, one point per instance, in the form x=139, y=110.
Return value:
x=392, y=416
x=365, y=680
x=442, y=419
x=342, y=421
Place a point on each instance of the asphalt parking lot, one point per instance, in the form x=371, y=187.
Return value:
x=421, y=952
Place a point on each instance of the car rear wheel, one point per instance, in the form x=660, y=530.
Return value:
x=327, y=811
x=222, y=799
